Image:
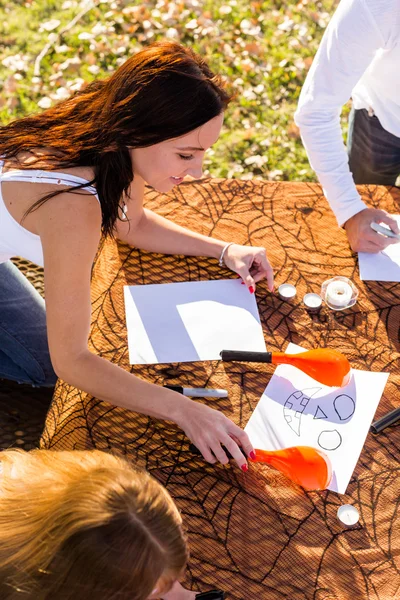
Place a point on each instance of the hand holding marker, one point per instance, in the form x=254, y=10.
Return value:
x=384, y=230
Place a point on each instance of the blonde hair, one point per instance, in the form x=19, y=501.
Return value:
x=84, y=524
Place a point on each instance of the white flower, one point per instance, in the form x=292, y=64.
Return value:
x=249, y=95
x=15, y=63
x=98, y=29
x=299, y=64
x=62, y=93
x=44, y=102
x=191, y=24
x=76, y=84
x=172, y=33
x=273, y=175
x=70, y=61
x=257, y=160
x=61, y=49
x=225, y=10
x=248, y=28
x=287, y=24
x=50, y=25
x=94, y=69
x=85, y=35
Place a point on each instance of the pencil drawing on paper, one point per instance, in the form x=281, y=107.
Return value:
x=344, y=406
x=329, y=439
x=341, y=407
x=295, y=405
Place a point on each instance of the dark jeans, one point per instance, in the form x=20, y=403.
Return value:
x=24, y=352
x=374, y=153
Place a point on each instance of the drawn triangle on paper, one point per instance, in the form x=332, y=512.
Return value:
x=319, y=414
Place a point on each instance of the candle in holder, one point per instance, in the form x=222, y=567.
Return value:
x=348, y=515
x=339, y=293
x=312, y=302
x=286, y=291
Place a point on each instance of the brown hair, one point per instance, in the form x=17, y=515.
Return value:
x=164, y=91
x=84, y=524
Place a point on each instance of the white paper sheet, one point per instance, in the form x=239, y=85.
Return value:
x=296, y=410
x=190, y=321
x=384, y=266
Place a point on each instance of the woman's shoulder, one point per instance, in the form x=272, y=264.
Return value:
x=38, y=160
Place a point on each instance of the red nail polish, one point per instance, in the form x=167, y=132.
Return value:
x=242, y=282
x=251, y=289
x=244, y=468
x=252, y=455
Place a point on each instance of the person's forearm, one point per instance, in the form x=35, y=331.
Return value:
x=347, y=48
x=322, y=139
x=157, y=234
x=106, y=381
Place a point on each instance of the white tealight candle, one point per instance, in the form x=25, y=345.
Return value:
x=312, y=302
x=286, y=291
x=348, y=515
x=338, y=294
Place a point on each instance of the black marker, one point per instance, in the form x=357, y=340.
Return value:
x=389, y=419
x=246, y=356
x=213, y=595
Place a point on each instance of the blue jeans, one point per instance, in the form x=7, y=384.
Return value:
x=24, y=352
x=374, y=153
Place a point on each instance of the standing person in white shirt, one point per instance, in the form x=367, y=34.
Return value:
x=359, y=56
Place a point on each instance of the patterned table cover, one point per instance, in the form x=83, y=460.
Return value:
x=256, y=535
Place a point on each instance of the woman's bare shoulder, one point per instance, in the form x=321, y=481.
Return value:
x=38, y=160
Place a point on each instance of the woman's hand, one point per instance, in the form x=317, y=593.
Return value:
x=208, y=429
x=364, y=239
x=251, y=263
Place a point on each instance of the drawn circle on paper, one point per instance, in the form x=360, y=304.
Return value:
x=330, y=439
x=344, y=406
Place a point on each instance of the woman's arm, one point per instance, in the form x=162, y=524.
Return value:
x=347, y=48
x=154, y=233
x=70, y=232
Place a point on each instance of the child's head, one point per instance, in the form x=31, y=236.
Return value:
x=85, y=525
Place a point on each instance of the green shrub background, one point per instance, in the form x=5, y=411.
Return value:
x=50, y=48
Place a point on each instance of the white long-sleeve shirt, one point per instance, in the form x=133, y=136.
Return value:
x=359, y=56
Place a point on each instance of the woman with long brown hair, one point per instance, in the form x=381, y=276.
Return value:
x=85, y=524
x=78, y=170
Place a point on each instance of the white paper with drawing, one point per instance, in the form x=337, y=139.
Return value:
x=190, y=321
x=384, y=266
x=296, y=410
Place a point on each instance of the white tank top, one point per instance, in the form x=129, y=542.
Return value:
x=15, y=240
